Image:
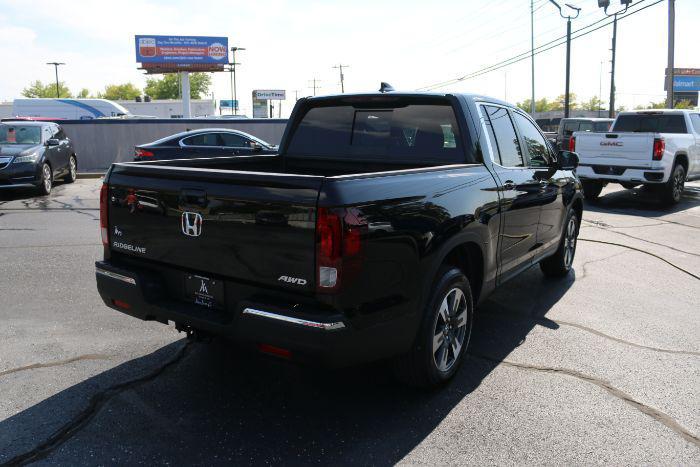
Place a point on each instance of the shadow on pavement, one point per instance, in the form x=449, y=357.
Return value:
x=643, y=202
x=218, y=405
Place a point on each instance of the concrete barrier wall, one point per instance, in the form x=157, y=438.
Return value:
x=98, y=143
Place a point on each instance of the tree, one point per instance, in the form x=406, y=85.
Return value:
x=684, y=104
x=541, y=105
x=39, y=89
x=593, y=104
x=168, y=87
x=652, y=105
x=83, y=94
x=115, y=92
x=558, y=103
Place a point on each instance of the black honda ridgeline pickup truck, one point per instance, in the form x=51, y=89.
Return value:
x=380, y=225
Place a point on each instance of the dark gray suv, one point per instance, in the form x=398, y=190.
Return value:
x=34, y=154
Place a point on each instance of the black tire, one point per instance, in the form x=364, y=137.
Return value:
x=46, y=182
x=559, y=264
x=591, y=189
x=672, y=191
x=629, y=185
x=424, y=366
x=72, y=170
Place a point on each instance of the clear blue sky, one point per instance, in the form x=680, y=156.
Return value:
x=407, y=43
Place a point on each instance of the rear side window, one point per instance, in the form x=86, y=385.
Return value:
x=206, y=139
x=426, y=132
x=695, y=120
x=233, y=140
x=650, y=123
x=507, y=145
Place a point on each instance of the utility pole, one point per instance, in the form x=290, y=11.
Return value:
x=315, y=85
x=296, y=95
x=232, y=68
x=532, y=56
x=611, y=111
x=56, y=65
x=342, y=77
x=671, y=40
x=604, y=4
x=568, y=51
x=600, y=88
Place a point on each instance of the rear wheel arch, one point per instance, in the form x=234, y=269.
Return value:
x=468, y=258
x=681, y=158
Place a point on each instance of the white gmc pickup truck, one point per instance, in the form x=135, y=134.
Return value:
x=655, y=148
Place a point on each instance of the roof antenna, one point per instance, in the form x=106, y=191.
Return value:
x=386, y=87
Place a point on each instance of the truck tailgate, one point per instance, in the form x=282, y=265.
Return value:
x=615, y=149
x=251, y=226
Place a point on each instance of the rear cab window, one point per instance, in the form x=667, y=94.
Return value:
x=379, y=128
x=650, y=123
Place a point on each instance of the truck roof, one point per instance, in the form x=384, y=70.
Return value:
x=657, y=111
x=472, y=96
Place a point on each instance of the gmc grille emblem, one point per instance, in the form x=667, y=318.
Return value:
x=191, y=224
x=610, y=143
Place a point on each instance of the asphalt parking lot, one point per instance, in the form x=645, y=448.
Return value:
x=602, y=367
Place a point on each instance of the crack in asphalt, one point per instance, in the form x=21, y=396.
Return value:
x=642, y=251
x=67, y=361
x=609, y=229
x=83, y=418
x=545, y=322
x=652, y=412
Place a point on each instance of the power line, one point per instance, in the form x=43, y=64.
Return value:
x=540, y=49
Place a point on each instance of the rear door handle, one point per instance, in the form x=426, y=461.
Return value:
x=509, y=185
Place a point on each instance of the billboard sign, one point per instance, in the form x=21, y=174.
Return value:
x=686, y=83
x=228, y=104
x=181, y=50
x=270, y=95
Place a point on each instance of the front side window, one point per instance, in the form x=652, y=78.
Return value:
x=535, y=143
x=233, y=140
x=509, y=152
x=205, y=139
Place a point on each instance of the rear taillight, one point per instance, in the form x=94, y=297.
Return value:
x=138, y=152
x=338, y=246
x=572, y=144
x=659, y=148
x=104, y=224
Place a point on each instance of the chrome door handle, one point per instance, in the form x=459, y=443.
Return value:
x=509, y=185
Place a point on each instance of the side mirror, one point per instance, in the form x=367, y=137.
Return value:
x=53, y=142
x=567, y=160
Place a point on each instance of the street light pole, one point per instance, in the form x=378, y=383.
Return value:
x=234, y=96
x=532, y=57
x=568, y=50
x=671, y=40
x=56, y=65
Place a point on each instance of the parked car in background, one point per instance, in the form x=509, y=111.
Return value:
x=69, y=109
x=207, y=142
x=656, y=148
x=567, y=127
x=373, y=233
x=33, y=154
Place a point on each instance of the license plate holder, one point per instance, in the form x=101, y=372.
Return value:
x=204, y=291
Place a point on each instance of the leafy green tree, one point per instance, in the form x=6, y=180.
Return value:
x=115, y=92
x=541, y=105
x=39, y=89
x=558, y=103
x=168, y=87
x=83, y=94
x=652, y=105
x=684, y=104
x=593, y=104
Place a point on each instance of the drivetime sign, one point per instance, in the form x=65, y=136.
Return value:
x=181, y=50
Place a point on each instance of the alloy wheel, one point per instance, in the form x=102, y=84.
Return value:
x=47, y=177
x=72, y=168
x=678, y=184
x=450, y=329
x=570, y=242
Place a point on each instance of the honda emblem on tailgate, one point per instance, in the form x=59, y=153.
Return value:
x=191, y=224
